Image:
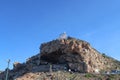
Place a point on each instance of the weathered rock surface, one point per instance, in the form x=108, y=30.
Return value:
x=64, y=54
x=77, y=54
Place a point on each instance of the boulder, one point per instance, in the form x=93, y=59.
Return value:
x=17, y=65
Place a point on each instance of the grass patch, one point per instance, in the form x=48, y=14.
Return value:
x=89, y=75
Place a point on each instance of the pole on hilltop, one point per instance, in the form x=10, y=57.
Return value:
x=7, y=69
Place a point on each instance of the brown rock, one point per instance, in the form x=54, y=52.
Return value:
x=71, y=51
x=17, y=65
x=63, y=54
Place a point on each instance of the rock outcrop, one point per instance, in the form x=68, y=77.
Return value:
x=77, y=54
x=64, y=54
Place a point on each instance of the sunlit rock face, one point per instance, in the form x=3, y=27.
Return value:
x=64, y=53
x=77, y=54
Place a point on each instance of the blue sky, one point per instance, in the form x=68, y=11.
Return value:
x=25, y=24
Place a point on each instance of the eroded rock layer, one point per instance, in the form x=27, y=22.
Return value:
x=74, y=51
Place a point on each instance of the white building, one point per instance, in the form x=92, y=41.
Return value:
x=63, y=36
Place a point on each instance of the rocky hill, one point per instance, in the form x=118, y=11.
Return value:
x=77, y=54
x=65, y=54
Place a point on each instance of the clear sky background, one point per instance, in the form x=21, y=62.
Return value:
x=25, y=24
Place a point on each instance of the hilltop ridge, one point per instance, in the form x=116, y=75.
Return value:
x=65, y=53
x=72, y=51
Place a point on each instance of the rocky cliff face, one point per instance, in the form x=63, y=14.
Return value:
x=64, y=54
x=77, y=54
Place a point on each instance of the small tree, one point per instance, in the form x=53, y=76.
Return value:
x=104, y=55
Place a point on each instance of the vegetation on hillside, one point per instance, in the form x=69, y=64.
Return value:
x=62, y=75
